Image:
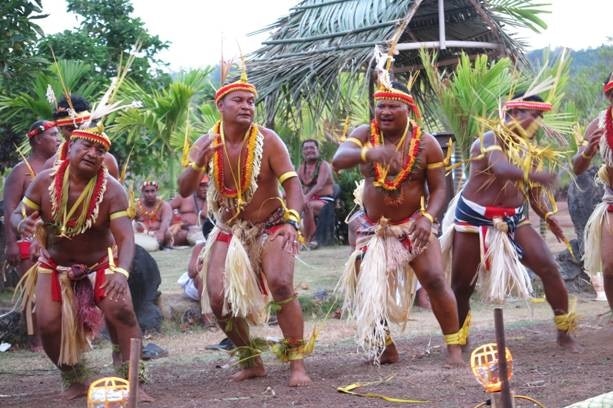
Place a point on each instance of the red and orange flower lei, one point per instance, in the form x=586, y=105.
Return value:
x=608, y=119
x=381, y=180
x=245, y=169
x=89, y=201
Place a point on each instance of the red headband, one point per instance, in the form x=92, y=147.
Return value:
x=234, y=86
x=92, y=136
x=81, y=117
x=528, y=105
x=608, y=86
x=40, y=129
x=150, y=183
x=399, y=96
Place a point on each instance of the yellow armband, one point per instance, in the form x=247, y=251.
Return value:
x=586, y=156
x=363, y=152
x=195, y=166
x=286, y=176
x=437, y=165
x=549, y=215
x=492, y=148
x=122, y=271
x=355, y=141
x=30, y=204
x=118, y=214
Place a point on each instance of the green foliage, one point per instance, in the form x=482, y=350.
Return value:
x=156, y=132
x=520, y=13
x=473, y=90
x=19, y=32
x=106, y=33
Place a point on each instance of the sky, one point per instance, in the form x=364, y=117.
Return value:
x=195, y=28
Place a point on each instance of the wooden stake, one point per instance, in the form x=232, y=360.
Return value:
x=505, y=392
x=133, y=372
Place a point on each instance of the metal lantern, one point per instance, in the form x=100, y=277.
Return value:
x=108, y=392
x=484, y=365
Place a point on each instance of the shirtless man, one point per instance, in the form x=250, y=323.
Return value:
x=69, y=118
x=317, y=185
x=250, y=252
x=44, y=140
x=153, y=216
x=491, y=208
x=404, y=191
x=80, y=223
x=191, y=213
x=598, y=231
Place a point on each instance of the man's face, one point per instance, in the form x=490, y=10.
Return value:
x=202, y=189
x=85, y=155
x=48, y=142
x=528, y=120
x=238, y=106
x=609, y=96
x=391, y=115
x=150, y=194
x=310, y=151
x=66, y=131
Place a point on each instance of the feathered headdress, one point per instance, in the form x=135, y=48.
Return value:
x=241, y=85
x=385, y=89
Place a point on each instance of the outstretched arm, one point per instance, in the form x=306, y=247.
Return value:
x=350, y=153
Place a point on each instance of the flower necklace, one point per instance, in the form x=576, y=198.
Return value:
x=148, y=215
x=376, y=139
x=609, y=126
x=240, y=193
x=89, y=200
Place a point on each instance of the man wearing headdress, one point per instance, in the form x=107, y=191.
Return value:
x=491, y=235
x=153, y=216
x=317, y=185
x=404, y=191
x=190, y=215
x=78, y=212
x=43, y=137
x=69, y=115
x=249, y=255
x=598, y=239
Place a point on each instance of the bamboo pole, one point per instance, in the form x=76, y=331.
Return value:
x=133, y=372
x=505, y=393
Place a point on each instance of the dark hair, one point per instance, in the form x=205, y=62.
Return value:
x=309, y=141
x=38, y=126
x=531, y=98
x=400, y=87
x=609, y=78
x=79, y=104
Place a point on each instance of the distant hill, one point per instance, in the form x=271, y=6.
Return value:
x=590, y=58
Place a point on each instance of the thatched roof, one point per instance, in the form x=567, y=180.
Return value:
x=319, y=39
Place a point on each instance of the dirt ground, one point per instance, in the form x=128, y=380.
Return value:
x=194, y=377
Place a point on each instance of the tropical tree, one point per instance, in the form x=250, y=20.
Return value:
x=22, y=108
x=18, y=59
x=170, y=119
x=106, y=33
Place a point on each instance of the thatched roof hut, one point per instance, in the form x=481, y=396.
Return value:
x=319, y=39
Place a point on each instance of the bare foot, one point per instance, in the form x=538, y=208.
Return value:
x=75, y=391
x=454, y=357
x=298, y=376
x=567, y=342
x=257, y=370
x=390, y=355
x=143, y=396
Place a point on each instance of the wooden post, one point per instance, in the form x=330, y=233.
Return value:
x=133, y=372
x=505, y=393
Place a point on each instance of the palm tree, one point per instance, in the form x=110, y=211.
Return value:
x=24, y=108
x=157, y=132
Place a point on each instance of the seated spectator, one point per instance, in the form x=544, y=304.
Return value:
x=153, y=216
x=317, y=185
x=189, y=213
